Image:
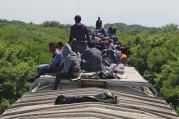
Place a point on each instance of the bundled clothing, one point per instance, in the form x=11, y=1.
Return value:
x=106, y=97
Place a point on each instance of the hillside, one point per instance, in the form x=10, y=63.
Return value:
x=24, y=45
x=134, y=29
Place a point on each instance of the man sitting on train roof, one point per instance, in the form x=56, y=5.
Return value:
x=57, y=58
x=71, y=68
x=91, y=58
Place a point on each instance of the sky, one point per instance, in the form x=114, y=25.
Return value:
x=143, y=12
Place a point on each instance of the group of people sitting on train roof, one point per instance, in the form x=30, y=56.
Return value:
x=85, y=51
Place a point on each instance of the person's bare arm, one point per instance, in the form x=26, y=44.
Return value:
x=71, y=37
x=87, y=35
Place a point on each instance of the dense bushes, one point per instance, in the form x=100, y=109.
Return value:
x=22, y=47
x=156, y=57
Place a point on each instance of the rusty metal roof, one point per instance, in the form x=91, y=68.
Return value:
x=131, y=105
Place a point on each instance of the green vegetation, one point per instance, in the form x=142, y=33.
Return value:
x=156, y=56
x=23, y=46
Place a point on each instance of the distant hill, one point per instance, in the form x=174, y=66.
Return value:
x=122, y=27
x=133, y=29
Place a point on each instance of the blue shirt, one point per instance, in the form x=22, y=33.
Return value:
x=57, y=58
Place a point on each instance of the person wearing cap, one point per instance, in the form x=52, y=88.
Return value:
x=79, y=35
x=71, y=65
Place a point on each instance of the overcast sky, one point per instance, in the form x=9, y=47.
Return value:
x=143, y=12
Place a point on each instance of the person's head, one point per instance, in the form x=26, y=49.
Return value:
x=110, y=28
x=91, y=44
x=98, y=18
x=66, y=49
x=77, y=19
x=102, y=44
x=112, y=25
x=52, y=46
x=110, y=52
x=60, y=45
x=118, y=47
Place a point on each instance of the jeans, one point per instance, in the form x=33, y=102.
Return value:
x=42, y=68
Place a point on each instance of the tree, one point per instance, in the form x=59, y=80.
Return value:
x=170, y=27
x=50, y=24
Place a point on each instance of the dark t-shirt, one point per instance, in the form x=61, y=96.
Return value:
x=79, y=32
x=98, y=24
